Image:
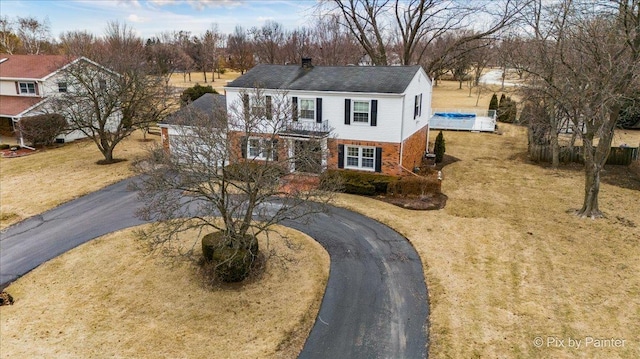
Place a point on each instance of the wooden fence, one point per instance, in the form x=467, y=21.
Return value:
x=618, y=155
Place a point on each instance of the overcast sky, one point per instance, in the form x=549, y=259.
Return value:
x=151, y=17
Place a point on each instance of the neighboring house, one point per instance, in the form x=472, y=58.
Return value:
x=369, y=118
x=27, y=82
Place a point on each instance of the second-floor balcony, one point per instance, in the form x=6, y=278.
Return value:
x=307, y=128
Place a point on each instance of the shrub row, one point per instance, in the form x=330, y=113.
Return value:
x=354, y=182
x=414, y=186
x=369, y=184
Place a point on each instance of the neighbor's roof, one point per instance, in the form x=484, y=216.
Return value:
x=11, y=106
x=370, y=79
x=31, y=66
x=211, y=105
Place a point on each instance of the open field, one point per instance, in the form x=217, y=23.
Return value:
x=110, y=298
x=181, y=81
x=505, y=263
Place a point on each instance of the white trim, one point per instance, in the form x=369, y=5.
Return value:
x=313, y=103
x=360, y=158
x=261, y=154
x=353, y=112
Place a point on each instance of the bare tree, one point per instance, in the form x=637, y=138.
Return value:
x=33, y=33
x=597, y=66
x=9, y=41
x=417, y=24
x=80, y=43
x=332, y=45
x=268, y=41
x=107, y=105
x=240, y=50
x=223, y=175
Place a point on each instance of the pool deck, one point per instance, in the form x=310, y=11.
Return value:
x=478, y=123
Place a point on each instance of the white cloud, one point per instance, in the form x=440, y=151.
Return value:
x=136, y=18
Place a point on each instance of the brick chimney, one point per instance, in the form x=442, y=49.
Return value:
x=306, y=63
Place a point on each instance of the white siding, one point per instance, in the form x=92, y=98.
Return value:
x=8, y=88
x=420, y=84
x=395, y=121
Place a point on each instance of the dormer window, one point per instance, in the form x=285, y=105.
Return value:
x=27, y=88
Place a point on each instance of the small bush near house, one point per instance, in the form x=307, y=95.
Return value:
x=439, y=147
x=493, y=104
x=193, y=93
x=42, y=129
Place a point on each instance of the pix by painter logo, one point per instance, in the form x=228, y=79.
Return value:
x=577, y=343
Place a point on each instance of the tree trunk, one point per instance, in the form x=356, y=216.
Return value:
x=204, y=72
x=591, y=190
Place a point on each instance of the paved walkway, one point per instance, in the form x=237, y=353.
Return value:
x=375, y=304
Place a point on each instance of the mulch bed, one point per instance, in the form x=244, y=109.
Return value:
x=432, y=201
x=8, y=153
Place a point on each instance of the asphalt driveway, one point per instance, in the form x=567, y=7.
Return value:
x=375, y=304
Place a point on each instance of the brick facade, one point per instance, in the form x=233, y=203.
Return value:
x=414, y=149
x=164, y=135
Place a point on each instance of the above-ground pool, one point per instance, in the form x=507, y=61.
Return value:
x=453, y=115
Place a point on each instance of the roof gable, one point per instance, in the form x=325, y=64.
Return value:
x=32, y=66
x=364, y=79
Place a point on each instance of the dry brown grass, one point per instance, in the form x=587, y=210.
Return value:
x=505, y=263
x=33, y=184
x=109, y=298
x=447, y=94
x=178, y=80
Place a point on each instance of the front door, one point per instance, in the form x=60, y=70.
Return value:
x=307, y=156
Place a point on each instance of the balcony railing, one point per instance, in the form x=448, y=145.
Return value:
x=308, y=128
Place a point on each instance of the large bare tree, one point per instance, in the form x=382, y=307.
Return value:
x=109, y=99
x=596, y=67
x=224, y=176
x=413, y=26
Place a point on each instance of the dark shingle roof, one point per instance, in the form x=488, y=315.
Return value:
x=370, y=79
x=210, y=105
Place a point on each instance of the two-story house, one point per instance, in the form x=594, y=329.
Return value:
x=27, y=82
x=370, y=118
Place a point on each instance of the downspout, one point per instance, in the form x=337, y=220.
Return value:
x=404, y=97
x=429, y=117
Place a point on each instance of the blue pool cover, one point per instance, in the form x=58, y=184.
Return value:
x=455, y=115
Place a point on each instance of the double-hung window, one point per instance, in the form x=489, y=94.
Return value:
x=361, y=111
x=27, y=88
x=260, y=148
x=62, y=87
x=257, y=105
x=307, y=108
x=360, y=157
x=417, y=110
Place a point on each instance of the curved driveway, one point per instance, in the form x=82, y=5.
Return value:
x=375, y=304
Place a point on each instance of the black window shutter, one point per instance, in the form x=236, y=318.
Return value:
x=347, y=111
x=415, y=107
x=294, y=108
x=274, y=149
x=243, y=146
x=319, y=110
x=378, y=159
x=268, y=107
x=420, y=113
x=340, y=156
x=245, y=105
x=374, y=112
